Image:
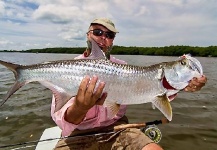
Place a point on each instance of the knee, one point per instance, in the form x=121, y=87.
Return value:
x=152, y=146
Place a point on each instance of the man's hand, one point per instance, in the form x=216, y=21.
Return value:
x=88, y=95
x=196, y=84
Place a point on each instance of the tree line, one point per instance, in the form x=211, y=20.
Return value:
x=210, y=51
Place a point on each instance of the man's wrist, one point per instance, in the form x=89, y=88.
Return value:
x=75, y=115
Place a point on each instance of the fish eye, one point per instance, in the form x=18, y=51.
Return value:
x=183, y=62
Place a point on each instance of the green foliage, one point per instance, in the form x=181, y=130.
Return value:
x=210, y=51
x=74, y=50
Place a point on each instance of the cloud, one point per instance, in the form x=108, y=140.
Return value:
x=2, y=8
x=62, y=23
x=72, y=32
x=56, y=14
x=4, y=43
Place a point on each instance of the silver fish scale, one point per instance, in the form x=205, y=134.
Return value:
x=125, y=84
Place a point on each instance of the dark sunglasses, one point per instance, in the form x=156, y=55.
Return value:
x=108, y=34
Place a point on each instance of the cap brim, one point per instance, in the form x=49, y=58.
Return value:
x=108, y=26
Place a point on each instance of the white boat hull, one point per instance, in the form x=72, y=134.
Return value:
x=50, y=133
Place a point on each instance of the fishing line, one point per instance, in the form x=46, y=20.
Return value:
x=23, y=147
x=45, y=140
x=156, y=122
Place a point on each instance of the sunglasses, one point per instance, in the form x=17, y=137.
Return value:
x=108, y=34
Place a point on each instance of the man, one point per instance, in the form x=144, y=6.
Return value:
x=84, y=113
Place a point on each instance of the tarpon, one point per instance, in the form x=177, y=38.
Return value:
x=125, y=84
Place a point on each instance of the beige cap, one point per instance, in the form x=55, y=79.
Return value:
x=106, y=23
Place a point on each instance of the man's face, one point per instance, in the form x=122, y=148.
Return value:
x=103, y=41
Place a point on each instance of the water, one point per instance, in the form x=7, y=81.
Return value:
x=194, y=126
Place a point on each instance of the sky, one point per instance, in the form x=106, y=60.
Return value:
x=33, y=24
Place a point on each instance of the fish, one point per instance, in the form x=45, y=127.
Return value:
x=126, y=84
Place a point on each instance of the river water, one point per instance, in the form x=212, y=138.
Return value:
x=194, y=126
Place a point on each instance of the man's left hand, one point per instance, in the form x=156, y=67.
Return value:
x=196, y=84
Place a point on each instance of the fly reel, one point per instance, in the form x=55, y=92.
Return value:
x=153, y=132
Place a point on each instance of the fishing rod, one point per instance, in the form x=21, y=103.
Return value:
x=139, y=125
x=115, y=129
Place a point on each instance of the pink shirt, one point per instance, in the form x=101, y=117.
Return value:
x=95, y=117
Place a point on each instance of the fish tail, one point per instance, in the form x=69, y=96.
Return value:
x=12, y=90
x=11, y=66
x=16, y=85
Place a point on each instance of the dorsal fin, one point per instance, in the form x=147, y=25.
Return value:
x=108, y=52
x=96, y=51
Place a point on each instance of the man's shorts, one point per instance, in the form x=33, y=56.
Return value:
x=129, y=139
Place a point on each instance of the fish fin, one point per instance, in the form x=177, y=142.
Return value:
x=61, y=98
x=11, y=66
x=113, y=108
x=163, y=104
x=16, y=86
x=108, y=52
x=96, y=51
x=60, y=95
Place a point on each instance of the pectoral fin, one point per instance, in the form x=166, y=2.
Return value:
x=113, y=108
x=163, y=104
